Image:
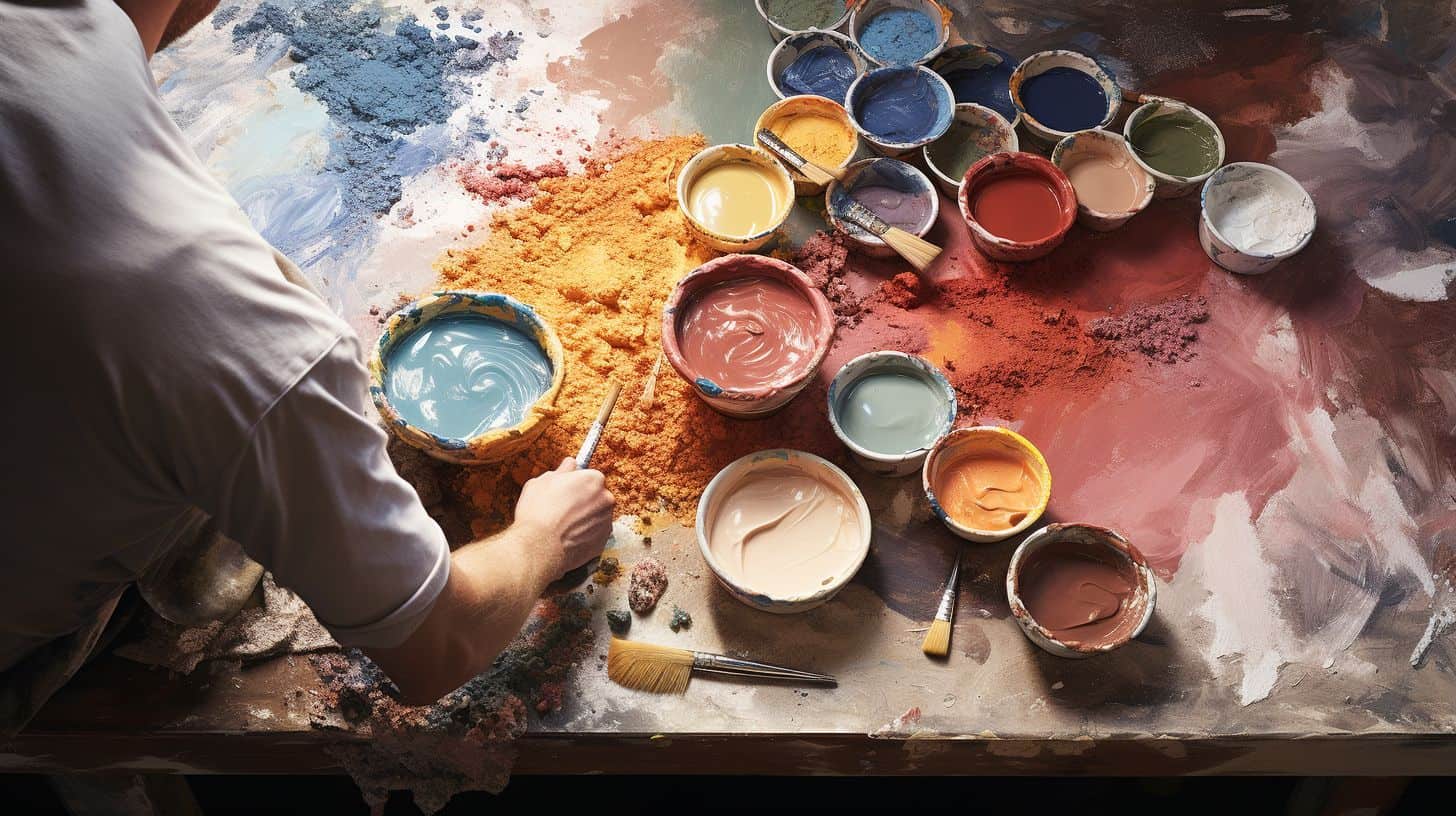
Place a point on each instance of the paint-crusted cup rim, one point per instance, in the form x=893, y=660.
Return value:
x=1087, y=65
x=1005, y=163
x=1006, y=438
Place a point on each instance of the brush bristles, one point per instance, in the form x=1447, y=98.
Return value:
x=649, y=667
x=937, y=639
x=918, y=251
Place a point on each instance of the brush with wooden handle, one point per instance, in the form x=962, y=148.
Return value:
x=807, y=169
x=937, y=638
x=666, y=670
x=593, y=436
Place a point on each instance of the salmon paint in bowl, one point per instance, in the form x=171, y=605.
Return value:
x=747, y=332
x=1018, y=206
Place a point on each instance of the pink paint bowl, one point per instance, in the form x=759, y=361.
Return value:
x=747, y=332
x=1018, y=206
x=1078, y=590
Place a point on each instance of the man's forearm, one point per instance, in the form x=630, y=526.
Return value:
x=493, y=585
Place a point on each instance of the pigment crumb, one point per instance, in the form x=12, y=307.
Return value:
x=1164, y=331
x=649, y=581
x=680, y=619
x=905, y=290
x=609, y=569
x=493, y=183
x=619, y=621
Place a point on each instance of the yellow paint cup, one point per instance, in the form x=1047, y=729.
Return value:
x=734, y=197
x=816, y=128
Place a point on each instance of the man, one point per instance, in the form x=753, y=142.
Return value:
x=166, y=380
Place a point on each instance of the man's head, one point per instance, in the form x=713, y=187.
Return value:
x=188, y=14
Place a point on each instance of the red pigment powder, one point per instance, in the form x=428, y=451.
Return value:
x=1163, y=331
x=499, y=182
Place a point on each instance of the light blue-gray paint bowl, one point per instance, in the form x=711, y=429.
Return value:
x=876, y=362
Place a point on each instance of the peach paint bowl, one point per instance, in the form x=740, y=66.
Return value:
x=965, y=441
x=999, y=164
x=758, y=401
x=729, y=476
x=1113, y=147
x=1145, y=594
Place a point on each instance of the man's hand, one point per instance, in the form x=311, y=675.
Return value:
x=573, y=509
x=563, y=519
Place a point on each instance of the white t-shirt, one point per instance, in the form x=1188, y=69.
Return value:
x=155, y=363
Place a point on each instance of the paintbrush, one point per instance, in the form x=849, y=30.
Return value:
x=666, y=670
x=807, y=169
x=914, y=249
x=593, y=436
x=649, y=391
x=937, y=638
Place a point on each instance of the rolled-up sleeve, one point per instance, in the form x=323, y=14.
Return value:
x=314, y=498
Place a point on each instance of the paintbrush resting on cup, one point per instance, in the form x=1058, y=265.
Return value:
x=666, y=670
x=809, y=170
x=593, y=436
x=914, y=249
x=937, y=638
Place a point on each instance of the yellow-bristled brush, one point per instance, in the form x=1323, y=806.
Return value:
x=937, y=638
x=666, y=670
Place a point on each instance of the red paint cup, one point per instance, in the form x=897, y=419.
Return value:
x=1025, y=205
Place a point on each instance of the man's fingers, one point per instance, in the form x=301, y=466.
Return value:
x=567, y=465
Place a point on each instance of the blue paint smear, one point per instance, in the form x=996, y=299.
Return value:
x=1065, y=99
x=899, y=36
x=903, y=108
x=378, y=85
x=988, y=85
x=824, y=71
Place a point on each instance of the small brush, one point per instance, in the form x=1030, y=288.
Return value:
x=937, y=638
x=807, y=169
x=593, y=436
x=918, y=251
x=666, y=670
x=649, y=391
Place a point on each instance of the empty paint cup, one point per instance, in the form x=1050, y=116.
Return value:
x=1111, y=186
x=900, y=32
x=898, y=193
x=981, y=75
x=735, y=197
x=1017, y=206
x=1253, y=217
x=975, y=133
x=1177, y=144
x=898, y=110
x=986, y=483
x=889, y=408
x=799, y=559
x=507, y=396
x=797, y=66
x=1077, y=590
x=1062, y=92
x=747, y=332
x=786, y=17
x=816, y=128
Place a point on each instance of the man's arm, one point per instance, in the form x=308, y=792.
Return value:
x=562, y=521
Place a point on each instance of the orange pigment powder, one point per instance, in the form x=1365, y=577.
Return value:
x=597, y=254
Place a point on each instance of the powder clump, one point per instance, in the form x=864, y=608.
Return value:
x=680, y=619
x=1164, y=331
x=649, y=581
x=501, y=182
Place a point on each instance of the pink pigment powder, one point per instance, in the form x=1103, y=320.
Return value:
x=499, y=182
x=1163, y=331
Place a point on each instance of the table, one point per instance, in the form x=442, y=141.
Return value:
x=1305, y=539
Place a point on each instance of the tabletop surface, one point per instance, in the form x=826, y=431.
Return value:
x=1292, y=483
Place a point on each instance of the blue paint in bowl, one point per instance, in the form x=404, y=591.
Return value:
x=1065, y=99
x=901, y=107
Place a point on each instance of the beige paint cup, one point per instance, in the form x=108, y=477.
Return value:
x=780, y=113
x=1103, y=146
x=710, y=157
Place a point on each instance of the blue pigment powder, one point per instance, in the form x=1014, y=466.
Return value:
x=901, y=109
x=378, y=85
x=1065, y=99
x=988, y=85
x=824, y=71
x=460, y=375
x=899, y=36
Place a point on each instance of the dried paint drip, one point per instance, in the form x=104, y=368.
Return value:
x=458, y=376
x=1080, y=592
x=1065, y=99
x=784, y=532
x=748, y=333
